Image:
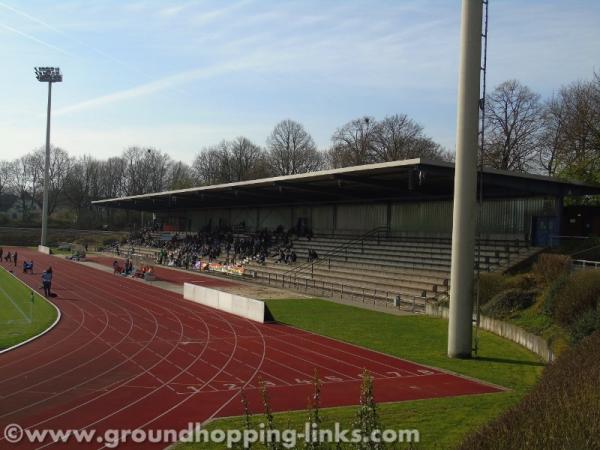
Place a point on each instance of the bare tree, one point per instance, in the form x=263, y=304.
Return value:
x=24, y=183
x=551, y=143
x=60, y=163
x=180, y=176
x=146, y=170
x=211, y=165
x=354, y=143
x=514, y=124
x=5, y=176
x=292, y=150
x=397, y=137
x=246, y=160
x=81, y=184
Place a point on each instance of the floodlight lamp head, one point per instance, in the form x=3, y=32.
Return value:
x=48, y=74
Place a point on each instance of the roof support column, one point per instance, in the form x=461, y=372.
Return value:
x=465, y=183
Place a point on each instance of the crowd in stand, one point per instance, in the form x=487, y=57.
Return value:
x=223, y=246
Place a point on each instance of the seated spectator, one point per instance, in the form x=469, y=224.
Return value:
x=27, y=267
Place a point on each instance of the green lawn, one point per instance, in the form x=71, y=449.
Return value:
x=442, y=423
x=16, y=310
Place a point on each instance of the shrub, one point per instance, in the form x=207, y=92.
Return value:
x=490, y=284
x=552, y=292
x=579, y=294
x=550, y=266
x=560, y=413
x=586, y=324
x=507, y=302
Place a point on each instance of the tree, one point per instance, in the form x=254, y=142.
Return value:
x=211, y=165
x=24, y=183
x=354, y=143
x=552, y=145
x=5, y=176
x=579, y=155
x=146, y=170
x=81, y=184
x=292, y=150
x=513, y=127
x=60, y=163
x=397, y=137
x=246, y=160
x=180, y=176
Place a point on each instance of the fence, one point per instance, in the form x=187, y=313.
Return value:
x=530, y=341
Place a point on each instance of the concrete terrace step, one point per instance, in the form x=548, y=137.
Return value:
x=391, y=286
x=386, y=248
x=413, y=279
x=358, y=269
x=365, y=279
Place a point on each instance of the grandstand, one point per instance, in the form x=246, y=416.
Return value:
x=381, y=231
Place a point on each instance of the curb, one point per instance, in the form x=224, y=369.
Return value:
x=58, y=317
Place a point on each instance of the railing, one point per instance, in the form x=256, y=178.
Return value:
x=585, y=264
x=343, y=247
x=335, y=290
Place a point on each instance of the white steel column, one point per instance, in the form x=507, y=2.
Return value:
x=465, y=182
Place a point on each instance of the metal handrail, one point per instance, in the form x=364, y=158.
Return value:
x=336, y=250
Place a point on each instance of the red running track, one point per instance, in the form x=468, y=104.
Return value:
x=127, y=355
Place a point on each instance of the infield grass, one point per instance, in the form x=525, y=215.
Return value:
x=17, y=310
x=442, y=422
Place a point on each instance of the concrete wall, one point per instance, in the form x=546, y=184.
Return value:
x=224, y=301
x=530, y=341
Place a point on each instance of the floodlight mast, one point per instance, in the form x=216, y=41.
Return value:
x=47, y=75
x=460, y=326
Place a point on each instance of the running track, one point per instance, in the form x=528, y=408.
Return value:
x=128, y=355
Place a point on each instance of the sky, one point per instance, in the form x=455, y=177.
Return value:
x=182, y=75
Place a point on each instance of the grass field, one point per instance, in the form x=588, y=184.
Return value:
x=16, y=309
x=442, y=423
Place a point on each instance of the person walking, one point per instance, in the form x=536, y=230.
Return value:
x=15, y=259
x=47, y=281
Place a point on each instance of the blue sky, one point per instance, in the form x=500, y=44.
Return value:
x=184, y=74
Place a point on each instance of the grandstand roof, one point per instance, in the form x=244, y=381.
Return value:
x=409, y=180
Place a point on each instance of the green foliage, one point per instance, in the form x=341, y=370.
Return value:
x=550, y=267
x=552, y=293
x=579, y=294
x=561, y=412
x=314, y=416
x=509, y=301
x=586, y=324
x=490, y=285
x=367, y=418
x=493, y=283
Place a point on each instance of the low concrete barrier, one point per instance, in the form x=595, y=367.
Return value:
x=530, y=341
x=223, y=301
x=44, y=249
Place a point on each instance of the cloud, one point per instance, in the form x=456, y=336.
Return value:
x=152, y=87
x=36, y=40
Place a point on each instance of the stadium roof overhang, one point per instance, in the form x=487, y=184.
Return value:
x=409, y=180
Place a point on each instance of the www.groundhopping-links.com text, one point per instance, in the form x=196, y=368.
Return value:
x=288, y=438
